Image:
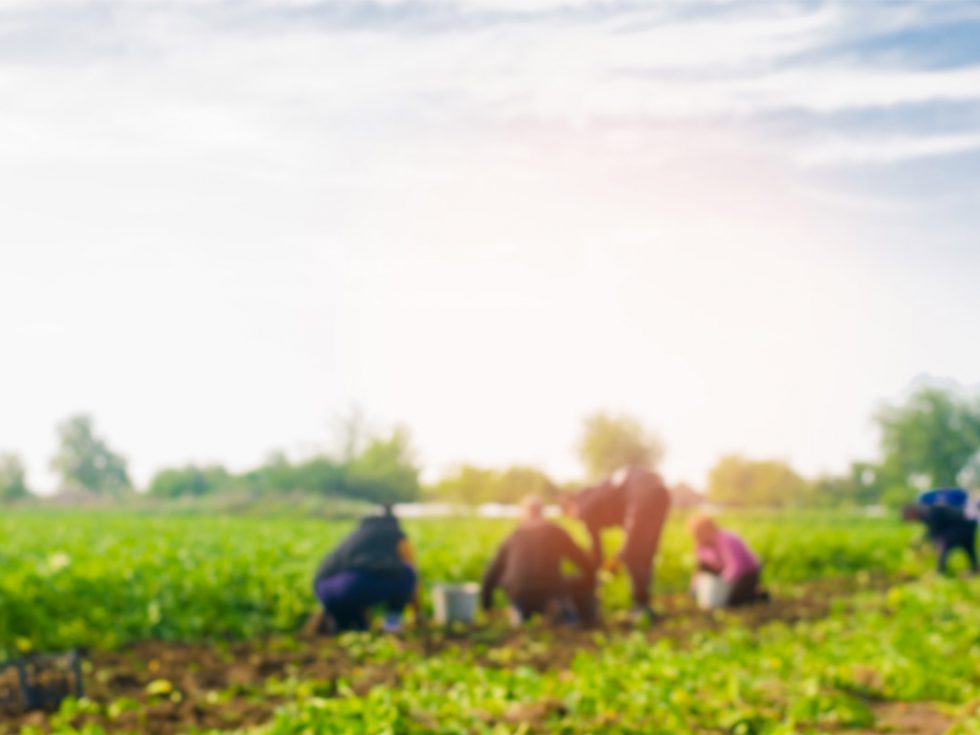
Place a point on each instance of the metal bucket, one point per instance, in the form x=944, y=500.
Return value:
x=711, y=591
x=455, y=603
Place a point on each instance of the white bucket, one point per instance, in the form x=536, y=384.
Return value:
x=711, y=591
x=455, y=603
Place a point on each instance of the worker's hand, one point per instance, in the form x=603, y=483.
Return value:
x=612, y=565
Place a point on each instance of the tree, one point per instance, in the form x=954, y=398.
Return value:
x=384, y=471
x=517, y=482
x=471, y=485
x=468, y=485
x=317, y=475
x=930, y=439
x=739, y=481
x=13, y=485
x=85, y=461
x=610, y=442
x=189, y=481
x=831, y=491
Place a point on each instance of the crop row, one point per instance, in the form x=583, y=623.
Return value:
x=828, y=674
x=101, y=580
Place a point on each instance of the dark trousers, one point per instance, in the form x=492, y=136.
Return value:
x=346, y=597
x=639, y=566
x=966, y=539
x=575, y=602
x=641, y=547
x=745, y=590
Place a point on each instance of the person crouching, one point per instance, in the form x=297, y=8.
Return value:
x=725, y=555
x=528, y=568
x=373, y=566
x=948, y=527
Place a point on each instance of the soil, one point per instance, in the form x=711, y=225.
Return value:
x=176, y=687
x=910, y=718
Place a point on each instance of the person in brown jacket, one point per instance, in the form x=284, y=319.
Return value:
x=638, y=501
x=528, y=568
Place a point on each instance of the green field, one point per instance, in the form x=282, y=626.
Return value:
x=192, y=622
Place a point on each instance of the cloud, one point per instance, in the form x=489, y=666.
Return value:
x=299, y=83
x=885, y=150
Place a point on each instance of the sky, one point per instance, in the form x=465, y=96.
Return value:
x=224, y=225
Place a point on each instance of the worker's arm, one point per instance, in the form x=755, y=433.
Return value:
x=726, y=554
x=595, y=533
x=491, y=577
x=407, y=554
x=574, y=553
x=708, y=560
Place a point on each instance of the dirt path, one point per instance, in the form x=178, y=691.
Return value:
x=174, y=687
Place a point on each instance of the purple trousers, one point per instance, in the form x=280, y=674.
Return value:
x=346, y=597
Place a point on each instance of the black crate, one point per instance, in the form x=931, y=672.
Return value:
x=40, y=681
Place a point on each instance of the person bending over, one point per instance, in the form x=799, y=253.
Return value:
x=528, y=568
x=726, y=555
x=949, y=529
x=638, y=501
x=373, y=566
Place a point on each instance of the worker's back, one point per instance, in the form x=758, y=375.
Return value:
x=371, y=547
x=531, y=557
x=610, y=503
x=946, y=522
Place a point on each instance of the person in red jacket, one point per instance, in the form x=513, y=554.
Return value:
x=528, y=568
x=636, y=500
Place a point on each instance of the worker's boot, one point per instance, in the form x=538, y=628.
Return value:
x=639, y=615
x=392, y=622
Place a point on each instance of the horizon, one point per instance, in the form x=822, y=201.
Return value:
x=225, y=226
x=333, y=449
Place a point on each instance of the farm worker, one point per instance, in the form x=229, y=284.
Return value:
x=373, y=566
x=528, y=568
x=638, y=501
x=948, y=528
x=726, y=555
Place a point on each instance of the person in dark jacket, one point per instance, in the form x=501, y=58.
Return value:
x=373, y=566
x=638, y=501
x=949, y=529
x=528, y=568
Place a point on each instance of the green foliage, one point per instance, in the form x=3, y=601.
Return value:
x=189, y=481
x=85, y=462
x=384, y=471
x=103, y=579
x=473, y=485
x=610, y=442
x=278, y=476
x=831, y=491
x=13, y=485
x=819, y=676
x=739, y=481
x=928, y=440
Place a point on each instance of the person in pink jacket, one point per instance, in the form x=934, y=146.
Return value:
x=725, y=554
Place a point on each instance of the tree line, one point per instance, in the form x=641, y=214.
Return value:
x=930, y=439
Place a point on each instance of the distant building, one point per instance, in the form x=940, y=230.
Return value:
x=685, y=496
x=73, y=497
